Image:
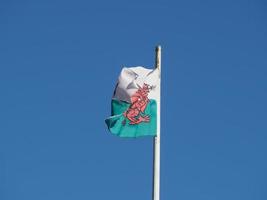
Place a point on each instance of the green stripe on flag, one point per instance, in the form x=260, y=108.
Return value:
x=119, y=125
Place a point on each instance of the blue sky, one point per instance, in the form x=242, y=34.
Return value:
x=59, y=61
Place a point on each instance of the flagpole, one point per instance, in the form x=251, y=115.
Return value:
x=156, y=146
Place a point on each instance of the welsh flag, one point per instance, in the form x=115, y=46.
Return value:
x=134, y=103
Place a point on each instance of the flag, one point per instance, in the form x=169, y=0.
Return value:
x=134, y=103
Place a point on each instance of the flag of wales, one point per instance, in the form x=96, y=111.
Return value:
x=134, y=103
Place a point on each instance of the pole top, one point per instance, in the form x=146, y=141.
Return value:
x=158, y=57
x=158, y=48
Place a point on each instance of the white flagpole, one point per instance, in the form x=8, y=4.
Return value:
x=156, y=146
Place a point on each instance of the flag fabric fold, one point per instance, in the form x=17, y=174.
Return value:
x=134, y=103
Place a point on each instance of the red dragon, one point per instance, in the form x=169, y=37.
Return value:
x=135, y=113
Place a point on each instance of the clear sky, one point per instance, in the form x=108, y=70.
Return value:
x=59, y=62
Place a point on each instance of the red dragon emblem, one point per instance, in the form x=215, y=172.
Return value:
x=135, y=113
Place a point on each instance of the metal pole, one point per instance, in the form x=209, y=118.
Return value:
x=156, y=146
